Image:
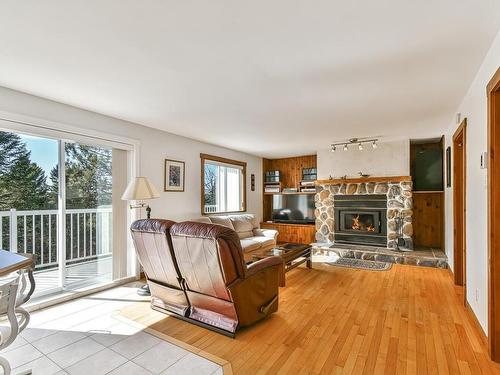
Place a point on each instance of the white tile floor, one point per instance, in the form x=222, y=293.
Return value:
x=86, y=336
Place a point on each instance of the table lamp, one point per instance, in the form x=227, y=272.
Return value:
x=140, y=189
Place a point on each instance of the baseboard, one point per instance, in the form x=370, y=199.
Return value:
x=474, y=319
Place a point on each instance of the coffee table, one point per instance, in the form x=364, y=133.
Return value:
x=293, y=255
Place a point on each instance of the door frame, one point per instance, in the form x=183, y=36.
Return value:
x=459, y=218
x=493, y=94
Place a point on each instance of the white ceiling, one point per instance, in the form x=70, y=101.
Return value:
x=272, y=78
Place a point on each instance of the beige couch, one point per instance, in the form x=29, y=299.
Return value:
x=247, y=227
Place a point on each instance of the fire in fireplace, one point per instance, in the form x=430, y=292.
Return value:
x=363, y=222
x=361, y=219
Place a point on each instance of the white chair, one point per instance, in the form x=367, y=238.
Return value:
x=17, y=317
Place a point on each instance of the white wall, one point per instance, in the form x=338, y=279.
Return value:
x=155, y=146
x=388, y=159
x=474, y=108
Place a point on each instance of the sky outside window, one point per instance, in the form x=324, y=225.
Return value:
x=44, y=152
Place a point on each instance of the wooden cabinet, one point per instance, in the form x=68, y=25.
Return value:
x=290, y=174
x=428, y=219
x=426, y=163
x=297, y=233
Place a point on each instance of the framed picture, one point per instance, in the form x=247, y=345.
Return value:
x=448, y=167
x=174, y=175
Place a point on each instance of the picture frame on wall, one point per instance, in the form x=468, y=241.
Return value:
x=448, y=166
x=174, y=175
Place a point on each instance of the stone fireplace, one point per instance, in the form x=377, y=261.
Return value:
x=364, y=211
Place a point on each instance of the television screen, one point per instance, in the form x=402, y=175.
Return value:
x=293, y=208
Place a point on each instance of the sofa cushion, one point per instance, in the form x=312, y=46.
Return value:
x=243, y=225
x=263, y=241
x=222, y=220
x=203, y=219
x=249, y=245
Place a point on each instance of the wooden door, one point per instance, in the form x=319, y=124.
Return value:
x=493, y=91
x=459, y=178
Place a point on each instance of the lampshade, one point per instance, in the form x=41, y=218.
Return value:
x=140, y=188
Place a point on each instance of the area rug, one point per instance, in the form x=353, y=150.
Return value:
x=370, y=265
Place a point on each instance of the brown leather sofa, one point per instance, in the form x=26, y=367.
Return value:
x=197, y=272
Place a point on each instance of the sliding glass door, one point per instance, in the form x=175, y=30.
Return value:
x=29, y=203
x=57, y=201
x=89, y=214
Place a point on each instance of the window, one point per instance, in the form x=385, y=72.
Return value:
x=223, y=185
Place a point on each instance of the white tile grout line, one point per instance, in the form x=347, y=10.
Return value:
x=115, y=314
x=194, y=350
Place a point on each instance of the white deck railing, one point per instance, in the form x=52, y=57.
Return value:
x=211, y=208
x=88, y=234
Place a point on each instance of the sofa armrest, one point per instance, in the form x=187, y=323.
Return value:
x=263, y=264
x=270, y=233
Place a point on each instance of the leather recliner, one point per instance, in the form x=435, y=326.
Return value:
x=205, y=263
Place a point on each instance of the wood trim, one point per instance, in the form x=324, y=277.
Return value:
x=459, y=224
x=219, y=159
x=365, y=179
x=493, y=93
x=473, y=319
x=494, y=83
x=223, y=160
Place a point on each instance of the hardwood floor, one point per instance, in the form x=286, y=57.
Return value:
x=332, y=320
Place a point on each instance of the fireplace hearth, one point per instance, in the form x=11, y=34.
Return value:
x=361, y=219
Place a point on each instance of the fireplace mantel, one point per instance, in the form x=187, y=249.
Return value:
x=358, y=180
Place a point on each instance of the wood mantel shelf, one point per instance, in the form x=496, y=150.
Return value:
x=363, y=179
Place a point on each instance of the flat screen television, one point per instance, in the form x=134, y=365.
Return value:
x=293, y=208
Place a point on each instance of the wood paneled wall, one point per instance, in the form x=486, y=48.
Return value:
x=428, y=219
x=290, y=168
x=290, y=174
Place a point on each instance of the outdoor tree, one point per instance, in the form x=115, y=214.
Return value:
x=23, y=184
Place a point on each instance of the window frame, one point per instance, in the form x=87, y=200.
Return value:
x=241, y=164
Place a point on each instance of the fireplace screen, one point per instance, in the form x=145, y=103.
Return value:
x=361, y=219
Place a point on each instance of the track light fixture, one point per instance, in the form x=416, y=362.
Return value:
x=353, y=141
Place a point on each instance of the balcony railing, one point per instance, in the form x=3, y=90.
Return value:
x=211, y=208
x=88, y=234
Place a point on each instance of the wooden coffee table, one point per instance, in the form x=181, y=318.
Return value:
x=293, y=255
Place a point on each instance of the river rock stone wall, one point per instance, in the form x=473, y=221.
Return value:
x=399, y=202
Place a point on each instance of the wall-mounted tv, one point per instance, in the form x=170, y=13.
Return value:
x=293, y=208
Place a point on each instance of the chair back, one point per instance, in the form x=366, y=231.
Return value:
x=209, y=257
x=154, y=249
x=8, y=296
